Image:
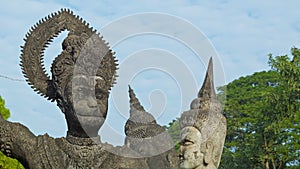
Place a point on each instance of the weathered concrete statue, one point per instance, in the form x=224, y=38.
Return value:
x=145, y=136
x=82, y=76
x=203, y=129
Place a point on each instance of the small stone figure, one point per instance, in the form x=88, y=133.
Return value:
x=203, y=129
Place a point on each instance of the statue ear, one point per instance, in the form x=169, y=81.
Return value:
x=208, y=153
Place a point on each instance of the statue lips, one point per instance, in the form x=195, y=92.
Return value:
x=90, y=120
x=181, y=158
x=90, y=117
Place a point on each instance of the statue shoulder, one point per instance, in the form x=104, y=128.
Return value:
x=48, y=154
x=16, y=145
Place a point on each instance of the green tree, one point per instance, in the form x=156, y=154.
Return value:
x=174, y=130
x=3, y=110
x=285, y=102
x=6, y=162
x=262, y=112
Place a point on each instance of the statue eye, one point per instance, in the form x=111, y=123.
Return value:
x=187, y=142
x=100, y=94
x=81, y=90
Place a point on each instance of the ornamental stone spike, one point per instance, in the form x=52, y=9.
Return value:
x=140, y=124
x=148, y=138
x=134, y=102
x=137, y=111
x=207, y=90
x=203, y=128
x=207, y=96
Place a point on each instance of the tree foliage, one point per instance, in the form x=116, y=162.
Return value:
x=4, y=112
x=174, y=130
x=262, y=112
x=6, y=162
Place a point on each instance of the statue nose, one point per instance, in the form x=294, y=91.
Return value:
x=92, y=102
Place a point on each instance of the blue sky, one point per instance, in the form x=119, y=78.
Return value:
x=162, y=47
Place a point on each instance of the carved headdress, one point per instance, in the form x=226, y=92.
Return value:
x=147, y=137
x=82, y=40
x=205, y=112
x=140, y=124
x=206, y=116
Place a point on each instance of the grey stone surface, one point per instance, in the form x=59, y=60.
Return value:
x=203, y=129
x=82, y=76
x=148, y=138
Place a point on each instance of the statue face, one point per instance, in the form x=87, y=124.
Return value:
x=190, y=149
x=86, y=105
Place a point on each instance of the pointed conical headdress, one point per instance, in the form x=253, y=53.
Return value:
x=207, y=94
x=139, y=120
x=206, y=106
x=207, y=90
x=135, y=103
x=140, y=124
x=206, y=116
x=143, y=134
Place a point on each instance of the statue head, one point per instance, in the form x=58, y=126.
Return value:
x=82, y=74
x=203, y=129
x=82, y=77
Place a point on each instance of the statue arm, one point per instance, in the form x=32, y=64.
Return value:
x=16, y=140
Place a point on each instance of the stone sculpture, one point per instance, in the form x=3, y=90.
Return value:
x=148, y=138
x=82, y=76
x=203, y=129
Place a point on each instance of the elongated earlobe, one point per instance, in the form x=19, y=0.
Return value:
x=208, y=153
